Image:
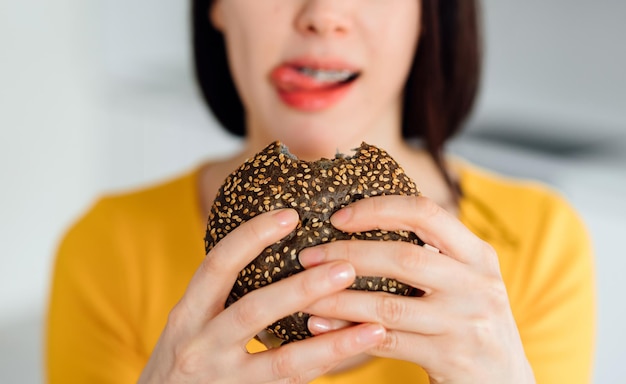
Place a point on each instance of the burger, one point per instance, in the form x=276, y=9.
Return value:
x=275, y=179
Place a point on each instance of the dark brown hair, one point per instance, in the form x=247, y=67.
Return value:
x=439, y=93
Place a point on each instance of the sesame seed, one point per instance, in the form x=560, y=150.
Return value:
x=273, y=179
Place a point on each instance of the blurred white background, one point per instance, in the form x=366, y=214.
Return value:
x=98, y=96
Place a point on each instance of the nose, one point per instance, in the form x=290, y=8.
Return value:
x=324, y=18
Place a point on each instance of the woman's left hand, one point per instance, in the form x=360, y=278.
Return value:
x=462, y=330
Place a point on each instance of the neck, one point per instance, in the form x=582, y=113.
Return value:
x=323, y=135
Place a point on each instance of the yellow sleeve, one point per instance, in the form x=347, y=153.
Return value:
x=554, y=305
x=91, y=337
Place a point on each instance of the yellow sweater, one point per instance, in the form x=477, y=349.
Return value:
x=125, y=264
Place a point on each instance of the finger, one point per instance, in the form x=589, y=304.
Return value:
x=315, y=355
x=444, y=358
x=423, y=350
x=253, y=312
x=320, y=325
x=392, y=311
x=213, y=280
x=308, y=376
x=420, y=215
x=416, y=266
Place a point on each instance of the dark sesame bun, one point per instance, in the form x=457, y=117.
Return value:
x=275, y=179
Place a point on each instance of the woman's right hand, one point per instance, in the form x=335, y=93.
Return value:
x=205, y=343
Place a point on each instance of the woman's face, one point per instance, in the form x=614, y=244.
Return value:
x=320, y=75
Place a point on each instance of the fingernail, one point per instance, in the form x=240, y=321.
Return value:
x=285, y=217
x=431, y=248
x=370, y=334
x=311, y=257
x=341, y=216
x=342, y=273
x=318, y=325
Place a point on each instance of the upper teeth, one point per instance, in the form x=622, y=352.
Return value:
x=327, y=75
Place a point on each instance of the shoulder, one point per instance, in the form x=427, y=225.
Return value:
x=500, y=190
x=518, y=207
x=533, y=228
x=160, y=198
x=124, y=214
x=164, y=197
x=531, y=225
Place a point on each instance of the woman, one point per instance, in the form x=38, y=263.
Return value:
x=508, y=284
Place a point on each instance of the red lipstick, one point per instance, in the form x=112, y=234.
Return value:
x=313, y=85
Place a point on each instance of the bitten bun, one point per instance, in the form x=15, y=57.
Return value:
x=275, y=179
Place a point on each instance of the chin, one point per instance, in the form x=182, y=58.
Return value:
x=313, y=141
x=315, y=146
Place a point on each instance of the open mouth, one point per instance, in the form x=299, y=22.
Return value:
x=294, y=77
x=329, y=76
x=313, y=86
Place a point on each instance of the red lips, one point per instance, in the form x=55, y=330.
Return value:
x=311, y=93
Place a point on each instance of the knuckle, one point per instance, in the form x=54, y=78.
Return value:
x=427, y=207
x=211, y=265
x=340, y=348
x=177, y=316
x=491, y=258
x=496, y=294
x=339, y=250
x=488, y=250
x=186, y=359
x=410, y=257
x=245, y=310
x=346, y=249
x=390, y=310
x=294, y=380
x=256, y=232
x=334, y=303
x=389, y=344
x=309, y=285
x=480, y=331
x=482, y=327
x=460, y=362
x=378, y=205
x=283, y=366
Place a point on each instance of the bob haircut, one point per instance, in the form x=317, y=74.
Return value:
x=439, y=93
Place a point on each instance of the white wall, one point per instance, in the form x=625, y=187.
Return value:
x=47, y=135
x=97, y=95
x=74, y=122
x=556, y=60
x=47, y=170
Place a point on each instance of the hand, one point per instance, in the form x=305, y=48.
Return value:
x=203, y=342
x=462, y=330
